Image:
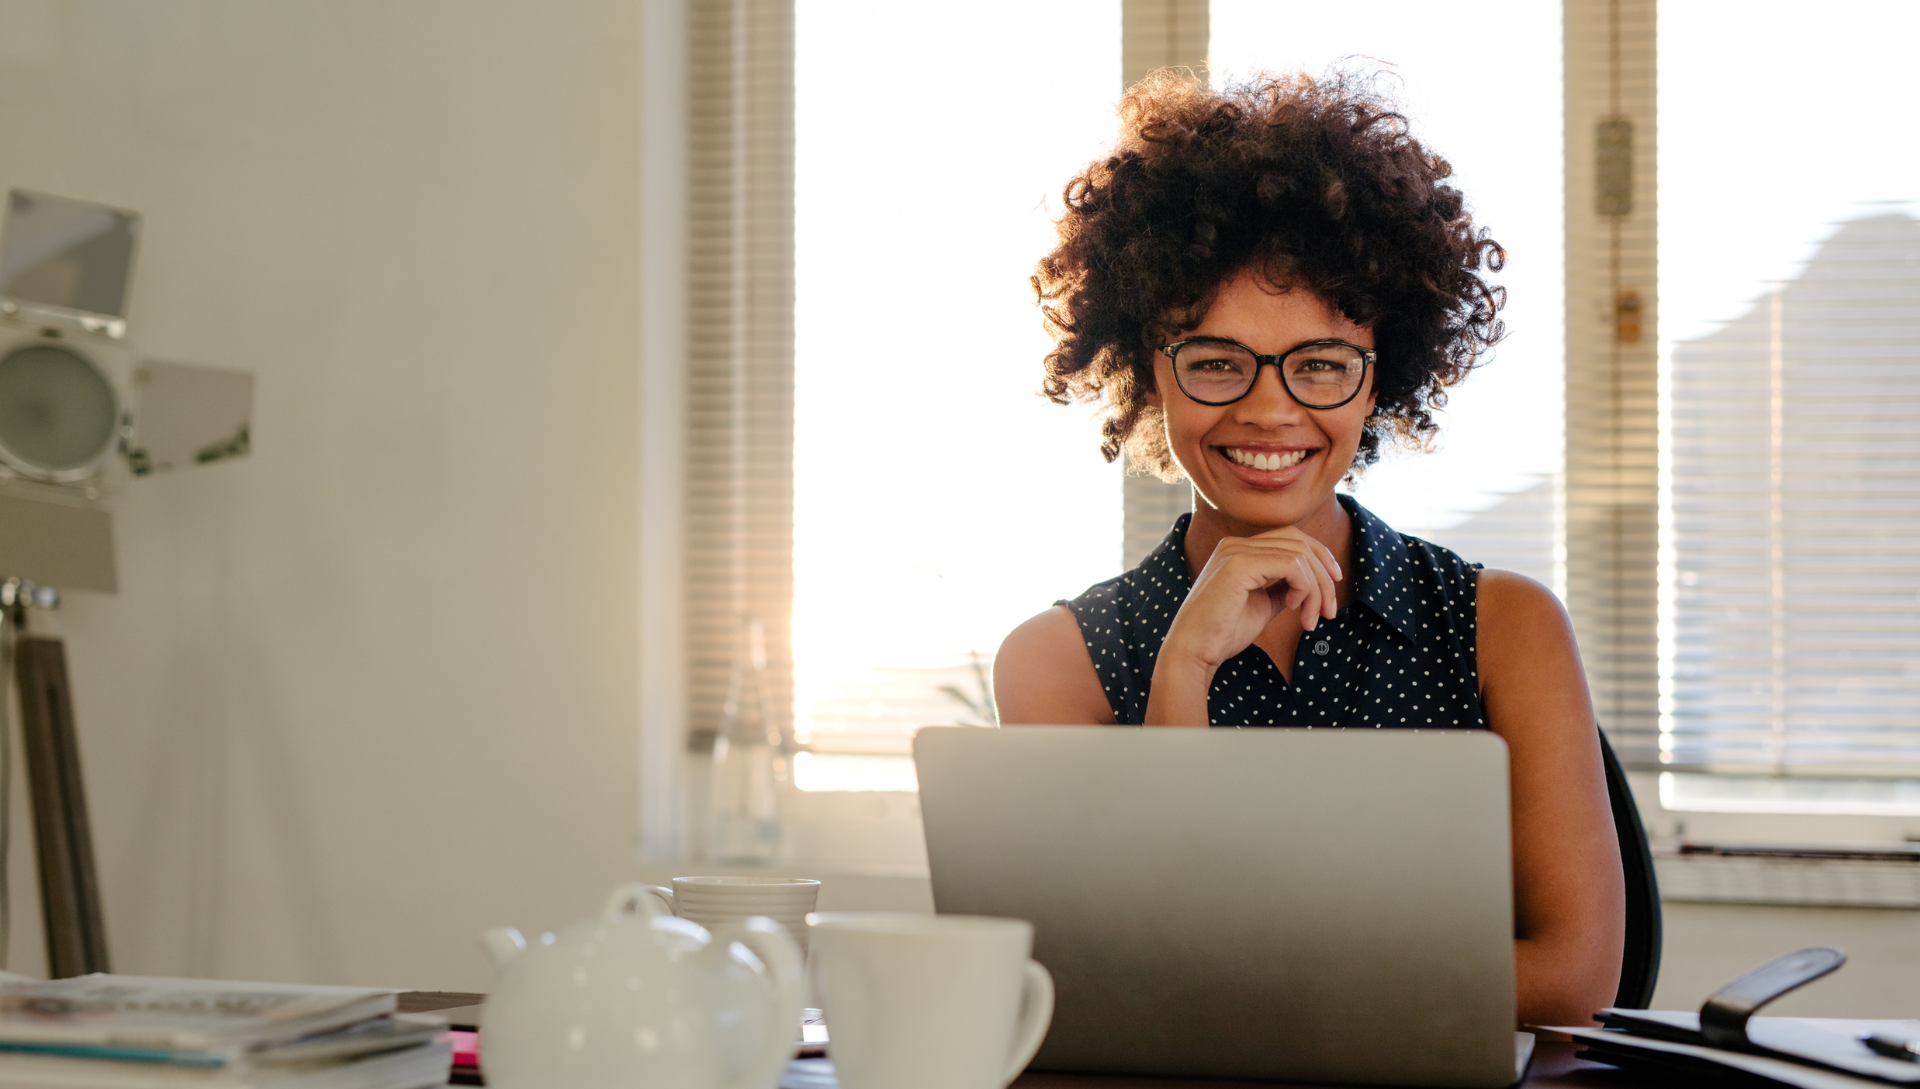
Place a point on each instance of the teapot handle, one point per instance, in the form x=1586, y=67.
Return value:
x=781, y=970
x=634, y=898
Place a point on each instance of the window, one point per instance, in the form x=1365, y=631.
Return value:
x=1790, y=498
x=942, y=423
x=938, y=500
x=1490, y=488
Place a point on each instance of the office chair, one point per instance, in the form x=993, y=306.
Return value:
x=1640, y=958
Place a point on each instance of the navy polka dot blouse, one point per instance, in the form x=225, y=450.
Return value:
x=1400, y=654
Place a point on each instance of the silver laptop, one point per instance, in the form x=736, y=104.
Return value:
x=1308, y=905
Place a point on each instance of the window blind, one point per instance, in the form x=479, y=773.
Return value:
x=1612, y=422
x=1157, y=34
x=739, y=450
x=1795, y=505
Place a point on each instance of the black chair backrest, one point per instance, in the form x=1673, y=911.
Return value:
x=1640, y=959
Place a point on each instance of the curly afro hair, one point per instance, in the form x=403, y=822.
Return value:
x=1313, y=183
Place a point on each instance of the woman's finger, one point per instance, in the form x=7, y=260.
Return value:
x=1326, y=556
x=1296, y=575
x=1330, y=597
x=1290, y=597
x=1313, y=606
x=1321, y=599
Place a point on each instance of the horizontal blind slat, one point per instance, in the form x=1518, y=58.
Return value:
x=1796, y=528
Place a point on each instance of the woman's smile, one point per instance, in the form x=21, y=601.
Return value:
x=1266, y=466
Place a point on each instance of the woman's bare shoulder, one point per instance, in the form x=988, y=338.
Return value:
x=1514, y=609
x=1529, y=665
x=1043, y=675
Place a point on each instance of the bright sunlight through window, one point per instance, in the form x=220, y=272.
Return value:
x=938, y=499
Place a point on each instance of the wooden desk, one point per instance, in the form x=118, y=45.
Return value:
x=1554, y=1067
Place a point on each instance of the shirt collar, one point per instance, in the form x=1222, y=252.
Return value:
x=1382, y=570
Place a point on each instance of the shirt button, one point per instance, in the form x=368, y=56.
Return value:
x=1322, y=647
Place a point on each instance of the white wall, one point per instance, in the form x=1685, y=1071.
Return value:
x=1710, y=945
x=373, y=689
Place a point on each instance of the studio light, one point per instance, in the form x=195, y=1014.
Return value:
x=80, y=414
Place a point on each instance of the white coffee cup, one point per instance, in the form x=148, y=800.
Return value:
x=929, y=1001
x=717, y=901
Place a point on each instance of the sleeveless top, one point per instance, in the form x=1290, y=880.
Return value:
x=1399, y=654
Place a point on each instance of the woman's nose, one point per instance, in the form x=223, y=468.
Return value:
x=1268, y=402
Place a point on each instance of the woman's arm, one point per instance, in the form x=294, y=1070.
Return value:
x=1043, y=675
x=1569, y=897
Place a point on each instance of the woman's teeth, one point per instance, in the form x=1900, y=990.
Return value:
x=1254, y=460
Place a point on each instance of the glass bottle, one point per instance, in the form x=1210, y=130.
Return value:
x=749, y=763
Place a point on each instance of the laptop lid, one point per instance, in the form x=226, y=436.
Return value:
x=1313, y=905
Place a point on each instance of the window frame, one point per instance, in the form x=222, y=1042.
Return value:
x=1610, y=526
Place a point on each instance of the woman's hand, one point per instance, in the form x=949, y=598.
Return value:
x=1246, y=583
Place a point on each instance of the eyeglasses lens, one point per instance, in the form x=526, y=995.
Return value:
x=1324, y=375
x=1319, y=376
x=1214, y=373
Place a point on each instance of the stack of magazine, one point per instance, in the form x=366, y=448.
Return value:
x=136, y=1032
x=1726, y=1042
x=1802, y=1052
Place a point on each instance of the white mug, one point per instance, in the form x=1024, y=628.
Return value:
x=929, y=1001
x=716, y=901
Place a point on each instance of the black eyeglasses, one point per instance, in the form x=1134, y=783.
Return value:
x=1317, y=374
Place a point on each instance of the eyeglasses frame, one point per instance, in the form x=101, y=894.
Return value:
x=1368, y=357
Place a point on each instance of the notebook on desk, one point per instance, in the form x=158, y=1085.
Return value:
x=1269, y=903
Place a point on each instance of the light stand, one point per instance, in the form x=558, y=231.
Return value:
x=78, y=410
x=69, y=888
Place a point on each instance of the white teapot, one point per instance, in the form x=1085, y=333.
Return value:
x=638, y=998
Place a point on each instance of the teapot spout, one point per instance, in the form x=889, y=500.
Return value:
x=504, y=944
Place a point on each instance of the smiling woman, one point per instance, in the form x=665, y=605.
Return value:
x=1296, y=222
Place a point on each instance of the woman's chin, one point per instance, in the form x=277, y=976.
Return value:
x=1268, y=509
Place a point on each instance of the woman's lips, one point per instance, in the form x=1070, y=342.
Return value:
x=1265, y=468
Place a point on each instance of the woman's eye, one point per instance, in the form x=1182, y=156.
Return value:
x=1214, y=366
